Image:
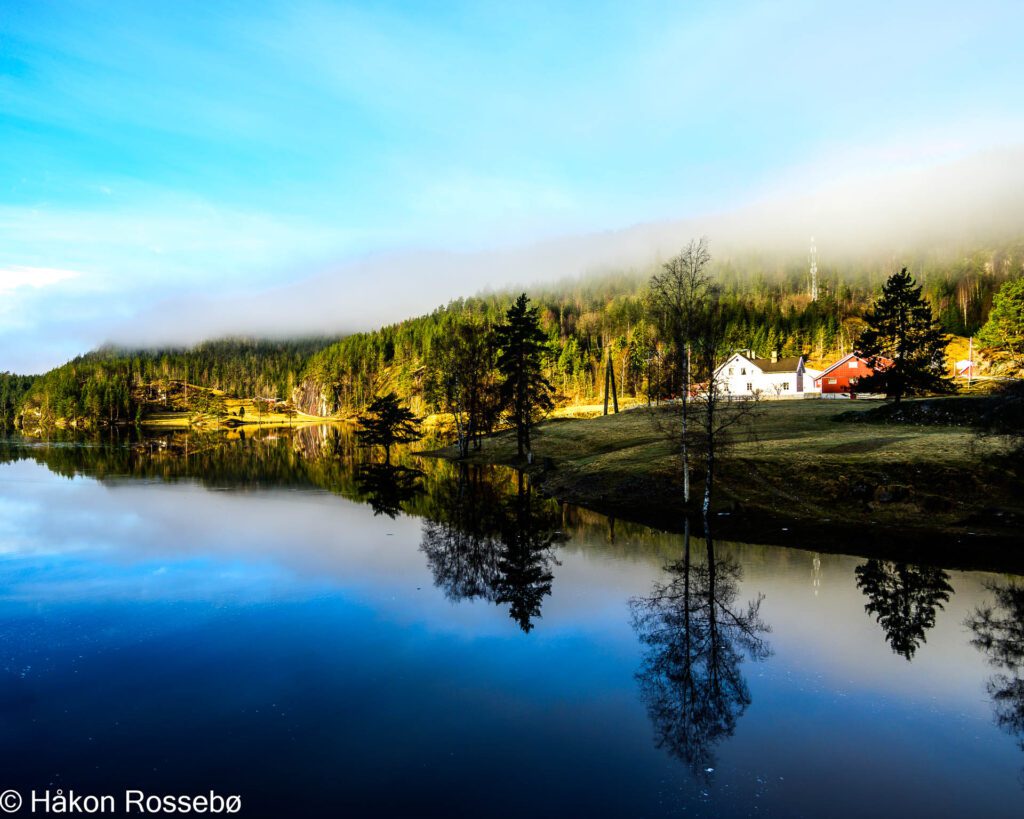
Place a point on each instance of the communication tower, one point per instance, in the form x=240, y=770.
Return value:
x=814, y=270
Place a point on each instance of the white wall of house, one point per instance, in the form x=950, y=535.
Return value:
x=741, y=377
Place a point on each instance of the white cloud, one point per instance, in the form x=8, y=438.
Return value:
x=18, y=276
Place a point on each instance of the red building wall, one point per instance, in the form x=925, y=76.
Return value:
x=843, y=378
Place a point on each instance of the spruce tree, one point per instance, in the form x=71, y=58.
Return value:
x=524, y=389
x=386, y=423
x=903, y=343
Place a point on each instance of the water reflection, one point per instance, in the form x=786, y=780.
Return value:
x=903, y=598
x=696, y=637
x=483, y=542
x=462, y=538
x=234, y=622
x=524, y=567
x=387, y=487
x=998, y=632
x=486, y=532
x=323, y=457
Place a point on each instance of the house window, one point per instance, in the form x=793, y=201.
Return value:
x=750, y=387
x=852, y=365
x=831, y=381
x=785, y=385
x=743, y=371
x=730, y=370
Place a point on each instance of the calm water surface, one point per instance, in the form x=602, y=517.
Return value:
x=275, y=617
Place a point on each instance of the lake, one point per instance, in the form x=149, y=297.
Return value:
x=278, y=617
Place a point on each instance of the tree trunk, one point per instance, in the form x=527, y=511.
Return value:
x=686, y=588
x=713, y=666
x=685, y=446
x=709, y=476
x=607, y=372
x=522, y=413
x=615, y=396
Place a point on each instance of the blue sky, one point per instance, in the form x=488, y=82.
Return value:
x=162, y=152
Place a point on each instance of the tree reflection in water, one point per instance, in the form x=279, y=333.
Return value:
x=461, y=538
x=998, y=631
x=904, y=599
x=696, y=638
x=483, y=543
x=386, y=487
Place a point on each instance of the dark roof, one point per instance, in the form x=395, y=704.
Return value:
x=783, y=365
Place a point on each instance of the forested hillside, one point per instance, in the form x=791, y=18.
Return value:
x=12, y=392
x=113, y=385
x=766, y=307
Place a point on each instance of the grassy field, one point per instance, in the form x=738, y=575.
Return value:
x=251, y=415
x=795, y=467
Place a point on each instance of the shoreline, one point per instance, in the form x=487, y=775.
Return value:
x=613, y=466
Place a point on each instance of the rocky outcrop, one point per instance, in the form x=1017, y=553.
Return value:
x=314, y=398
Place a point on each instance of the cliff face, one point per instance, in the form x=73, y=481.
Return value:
x=314, y=398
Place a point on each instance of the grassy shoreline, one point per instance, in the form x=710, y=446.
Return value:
x=799, y=477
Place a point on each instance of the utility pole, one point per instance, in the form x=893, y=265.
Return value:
x=609, y=378
x=814, y=270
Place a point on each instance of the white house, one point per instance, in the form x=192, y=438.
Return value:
x=743, y=375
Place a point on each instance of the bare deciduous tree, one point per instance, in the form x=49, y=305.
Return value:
x=719, y=418
x=679, y=293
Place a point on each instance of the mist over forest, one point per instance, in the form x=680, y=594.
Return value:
x=865, y=226
x=957, y=229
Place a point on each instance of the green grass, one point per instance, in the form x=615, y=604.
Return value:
x=793, y=460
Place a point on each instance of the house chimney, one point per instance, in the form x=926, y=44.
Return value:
x=775, y=356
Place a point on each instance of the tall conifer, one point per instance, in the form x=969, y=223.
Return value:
x=903, y=343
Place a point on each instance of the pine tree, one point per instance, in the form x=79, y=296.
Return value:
x=386, y=423
x=525, y=390
x=903, y=343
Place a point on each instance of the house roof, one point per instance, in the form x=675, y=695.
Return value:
x=790, y=364
x=784, y=365
x=880, y=363
x=842, y=360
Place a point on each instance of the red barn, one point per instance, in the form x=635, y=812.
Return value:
x=842, y=377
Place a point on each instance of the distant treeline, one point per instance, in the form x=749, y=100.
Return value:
x=112, y=385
